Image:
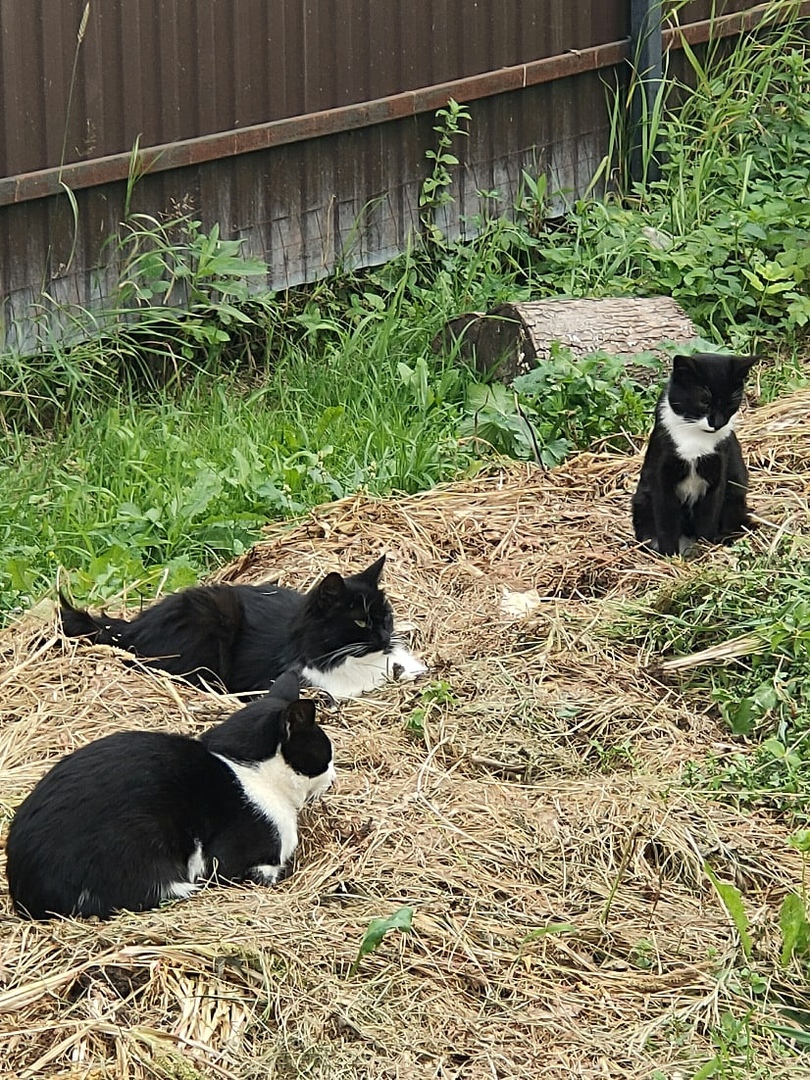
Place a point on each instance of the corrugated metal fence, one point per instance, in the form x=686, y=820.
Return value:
x=299, y=126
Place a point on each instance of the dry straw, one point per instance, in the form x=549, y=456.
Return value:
x=533, y=816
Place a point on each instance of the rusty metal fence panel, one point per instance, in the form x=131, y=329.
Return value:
x=166, y=70
x=299, y=126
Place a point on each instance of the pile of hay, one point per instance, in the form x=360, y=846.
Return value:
x=530, y=810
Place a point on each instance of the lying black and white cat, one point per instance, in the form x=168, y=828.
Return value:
x=694, y=481
x=140, y=817
x=339, y=635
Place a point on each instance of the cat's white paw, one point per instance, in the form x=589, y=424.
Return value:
x=265, y=874
x=404, y=666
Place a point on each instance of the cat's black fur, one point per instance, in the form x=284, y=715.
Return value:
x=242, y=637
x=139, y=817
x=694, y=482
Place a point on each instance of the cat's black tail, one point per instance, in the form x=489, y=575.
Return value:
x=78, y=623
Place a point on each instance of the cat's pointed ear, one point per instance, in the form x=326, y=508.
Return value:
x=330, y=592
x=286, y=686
x=683, y=366
x=300, y=714
x=371, y=575
x=745, y=363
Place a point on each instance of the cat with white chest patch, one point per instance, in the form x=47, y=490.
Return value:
x=694, y=482
x=136, y=818
x=339, y=635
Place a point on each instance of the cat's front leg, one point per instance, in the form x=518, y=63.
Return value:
x=706, y=517
x=668, y=526
x=667, y=507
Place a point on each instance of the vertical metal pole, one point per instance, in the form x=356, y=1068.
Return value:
x=646, y=21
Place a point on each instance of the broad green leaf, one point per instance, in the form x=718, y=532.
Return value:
x=402, y=919
x=802, y=1038
x=794, y=926
x=731, y=899
x=707, y=1070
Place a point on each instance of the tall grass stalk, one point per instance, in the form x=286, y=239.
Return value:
x=79, y=39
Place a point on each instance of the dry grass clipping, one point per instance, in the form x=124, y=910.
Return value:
x=564, y=925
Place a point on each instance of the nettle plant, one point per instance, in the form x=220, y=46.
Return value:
x=565, y=403
x=435, y=190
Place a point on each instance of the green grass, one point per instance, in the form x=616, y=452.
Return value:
x=127, y=487
x=725, y=230
x=762, y=696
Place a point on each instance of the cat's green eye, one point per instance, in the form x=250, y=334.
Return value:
x=361, y=623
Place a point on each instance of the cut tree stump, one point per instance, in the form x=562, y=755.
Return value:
x=511, y=339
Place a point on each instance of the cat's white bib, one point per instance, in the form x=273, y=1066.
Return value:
x=692, y=487
x=691, y=441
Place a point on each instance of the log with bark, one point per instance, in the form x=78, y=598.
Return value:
x=511, y=339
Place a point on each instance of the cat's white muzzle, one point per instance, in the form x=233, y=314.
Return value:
x=321, y=784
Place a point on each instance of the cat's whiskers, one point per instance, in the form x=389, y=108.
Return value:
x=359, y=648
x=356, y=649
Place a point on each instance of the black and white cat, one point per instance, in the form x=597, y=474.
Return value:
x=694, y=482
x=140, y=817
x=339, y=635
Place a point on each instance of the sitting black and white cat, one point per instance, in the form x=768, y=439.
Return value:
x=694, y=481
x=339, y=635
x=140, y=817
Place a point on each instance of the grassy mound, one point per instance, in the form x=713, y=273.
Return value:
x=581, y=906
